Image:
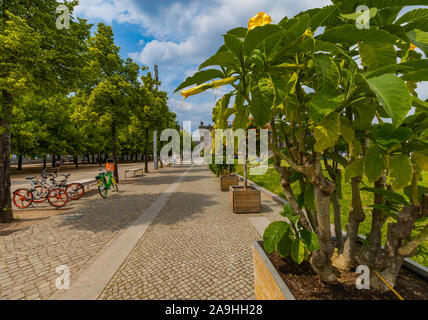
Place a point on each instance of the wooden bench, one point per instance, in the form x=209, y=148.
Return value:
x=87, y=182
x=134, y=171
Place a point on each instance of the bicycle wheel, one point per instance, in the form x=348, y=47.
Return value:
x=75, y=191
x=38, y=195
x=22, y=198
x=102, y=188
x=114, y=185
x=58, y=198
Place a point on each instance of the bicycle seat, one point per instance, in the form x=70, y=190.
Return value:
x=66, y=175
x=29, y=178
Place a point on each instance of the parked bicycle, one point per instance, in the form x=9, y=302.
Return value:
x=105, y=182
x=40, y=192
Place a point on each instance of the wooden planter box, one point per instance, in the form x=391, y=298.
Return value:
x=226, y=181
x=245, y=201
x=268, y=283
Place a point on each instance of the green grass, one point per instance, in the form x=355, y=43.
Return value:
x=270, y=181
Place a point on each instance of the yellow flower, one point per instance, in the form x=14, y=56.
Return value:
x=309, y=32
x=412, y=47
x=192, y=91
x=203, y=87
x=259, y=19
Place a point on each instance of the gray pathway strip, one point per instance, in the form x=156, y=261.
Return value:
x=94, y=279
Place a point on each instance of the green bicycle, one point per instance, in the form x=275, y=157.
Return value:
x=105, y=182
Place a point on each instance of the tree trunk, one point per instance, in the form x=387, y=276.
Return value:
x=100, y=159
x=136, y=157
x=116, y=169
x=378, y=220
x=146, y=152
x=53, y=160
x=76, y=161
x=394, y=251
x=93, y=158
x=20, y=162
x=321, y=259
x=6, y=213
x=356, y=216
x=337, y=222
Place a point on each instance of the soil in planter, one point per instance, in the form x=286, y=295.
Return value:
x=305, y=284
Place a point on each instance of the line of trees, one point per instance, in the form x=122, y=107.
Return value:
x=65, y=92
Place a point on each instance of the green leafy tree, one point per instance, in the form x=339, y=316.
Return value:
x=110, y=86
x=36, y=56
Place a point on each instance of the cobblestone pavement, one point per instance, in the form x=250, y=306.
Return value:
x=29, y=258
x=196, y=248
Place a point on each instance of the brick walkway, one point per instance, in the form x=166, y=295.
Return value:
x=195, y=249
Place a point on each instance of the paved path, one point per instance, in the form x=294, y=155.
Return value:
x=195, y=247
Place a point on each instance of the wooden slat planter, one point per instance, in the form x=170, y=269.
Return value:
x=268, y=283
x=226, y=181
x=245, y=201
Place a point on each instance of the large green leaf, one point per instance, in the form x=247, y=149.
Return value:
x=420, y=39
x=394, y=96
x=310, y=239
x=242, y=113
x=421, y=24
x=390, y=195
x=347, y=133
x=387, y=136
x=293, y=35
x=298, y=251
x=327, y=132
x=350, y=33
x=400, y=171
x=354, y=169
x=256, y=36
x=283, y=85
x=273, y=234
x=421, y=160
x=375, y=55
x=412, y=16
x=417, y=76
x=222, y=112
x=327, y=72
x=322, y=15
x=200, y=77
x=356, y=15
x=295, y=27
x=234, y=44
x=222, y=58
x=284, y=245
x=262, y=99
x=239, y=32
x=323, y=103
x=394, y=68
x=374, y=163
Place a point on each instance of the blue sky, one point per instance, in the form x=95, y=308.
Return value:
x=178, y=35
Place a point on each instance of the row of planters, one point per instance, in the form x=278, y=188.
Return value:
x=243, y=199
x=338, y=101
